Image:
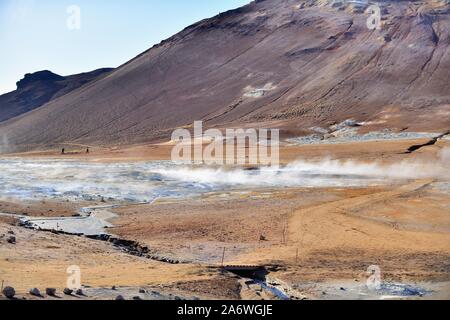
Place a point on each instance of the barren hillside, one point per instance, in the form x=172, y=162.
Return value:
x=291, y=64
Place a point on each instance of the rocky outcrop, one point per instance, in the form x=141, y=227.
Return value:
x=431, y=142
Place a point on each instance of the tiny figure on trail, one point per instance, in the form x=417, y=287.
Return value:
x=87, y=150
x=63, y=151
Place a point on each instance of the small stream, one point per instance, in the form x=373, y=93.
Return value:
x=92, y=221
x=274, y=290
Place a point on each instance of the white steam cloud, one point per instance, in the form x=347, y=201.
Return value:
x=322, y=173
x=62, y=179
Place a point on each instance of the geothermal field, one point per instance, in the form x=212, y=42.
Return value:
x=140, y=226
x=119, y=184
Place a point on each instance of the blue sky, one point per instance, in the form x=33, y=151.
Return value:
x=34, y=34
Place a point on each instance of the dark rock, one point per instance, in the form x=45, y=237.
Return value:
x=11, y=240
x=35, y=292
x=50, y=292
x=68, y=291
x=79, y=292
x=11, y=232
x=120, y=297
x=9, y=292
x=137, y=298
x=142, y=291
x=113, y=288
x=40, y=76
x=102, y=237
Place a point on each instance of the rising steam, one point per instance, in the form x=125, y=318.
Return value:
x=319, y=173
x=62, y=179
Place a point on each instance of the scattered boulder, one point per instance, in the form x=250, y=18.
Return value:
x=262, y=238
x=11, y=240
x=68, y=291
x=11, y=232
x=35, y=292
x=120, y=297
x=9, y=292
x=137, y=298
x=142, y=291
x=50, y=292
x=79, y=292
x=113, y=288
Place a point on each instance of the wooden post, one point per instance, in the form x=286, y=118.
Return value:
x=285, y=230
x=223, y=256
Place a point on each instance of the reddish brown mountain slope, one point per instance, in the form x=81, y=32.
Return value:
x=288, y=63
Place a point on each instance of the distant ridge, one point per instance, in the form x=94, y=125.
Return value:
x=38, y=88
